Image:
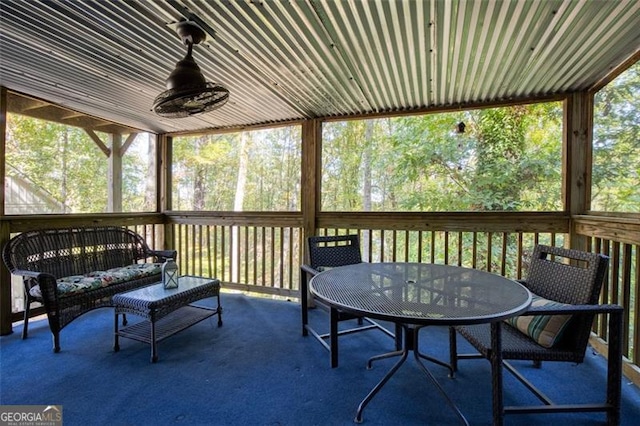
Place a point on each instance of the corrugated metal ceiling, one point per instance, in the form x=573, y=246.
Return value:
x=289, y=60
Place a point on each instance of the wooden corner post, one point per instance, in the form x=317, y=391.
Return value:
x=5, y=276
x=310, y=177
x=310, y=184
x=577, y=152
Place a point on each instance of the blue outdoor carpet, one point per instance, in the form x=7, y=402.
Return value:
x=257, y=369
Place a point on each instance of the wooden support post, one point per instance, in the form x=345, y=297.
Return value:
x=6, y=326
x=3, y=156
x=115, y=175
x=577, y=148
x=310, y=182
x=5, y=276
x=114, y=156
x=164, y=185
x=311, y=177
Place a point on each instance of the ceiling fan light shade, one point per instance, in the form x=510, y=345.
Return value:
x=186, y=74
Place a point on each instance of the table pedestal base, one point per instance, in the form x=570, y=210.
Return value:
x=410, y=344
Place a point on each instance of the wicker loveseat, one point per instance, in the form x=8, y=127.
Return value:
x=74, y=270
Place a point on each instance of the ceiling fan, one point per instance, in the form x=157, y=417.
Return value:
x=188, y=93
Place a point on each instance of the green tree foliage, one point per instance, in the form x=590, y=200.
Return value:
x=616, y=145
x=518, y=158
x=341, y=164
x=500, y=136
x=197, y=164
x=205, y=171
x=138, y=175
x=432, y=162
x=507, y=159
x=61, y=160
x=66, y=165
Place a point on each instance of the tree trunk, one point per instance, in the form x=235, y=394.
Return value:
x=242, y=173
x=238, y=203
x=199, y=178
x=150, y=181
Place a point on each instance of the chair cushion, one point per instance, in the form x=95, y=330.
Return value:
x=545, y=330
x=82, y=283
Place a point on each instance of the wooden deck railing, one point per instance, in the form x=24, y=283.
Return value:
x=505, y=253
x=619, y=238
x=262, y=259
x=262, y=252
x=257, y=252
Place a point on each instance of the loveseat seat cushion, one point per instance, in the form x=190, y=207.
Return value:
x=82, y=283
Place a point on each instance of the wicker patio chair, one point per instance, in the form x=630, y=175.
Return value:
x=569, y=283
x=327, y=252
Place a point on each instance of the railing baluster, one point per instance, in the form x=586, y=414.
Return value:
x=503, y=257
x=263, y=255
x=272, y=256
x=489, y=250
x=626, y=293
x=191, y=248
x=433, y=247
x=223, y=250
x=635, y=326
x=474, y=262
x=446, y=248
x=254, y=279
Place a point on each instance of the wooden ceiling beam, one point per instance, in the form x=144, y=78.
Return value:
x=43, y=110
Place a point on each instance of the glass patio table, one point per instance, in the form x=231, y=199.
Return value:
x=414, y=295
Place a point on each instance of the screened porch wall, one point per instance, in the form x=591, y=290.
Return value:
x=261, y=252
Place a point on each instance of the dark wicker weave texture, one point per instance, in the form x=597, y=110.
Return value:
x=156, y=309
x=332, y=252
x=567, y=276
x=167, y=312
x=43, y=256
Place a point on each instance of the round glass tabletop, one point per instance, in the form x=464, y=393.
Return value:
x=421, y=293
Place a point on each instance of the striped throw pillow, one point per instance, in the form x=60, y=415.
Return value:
x=546, y=330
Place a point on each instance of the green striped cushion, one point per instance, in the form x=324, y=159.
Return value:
x=546, y=330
